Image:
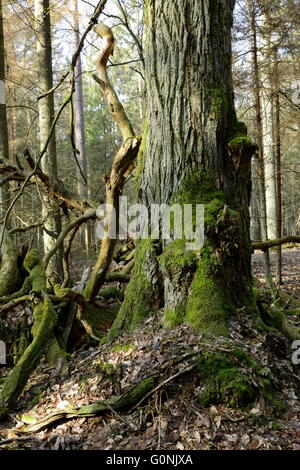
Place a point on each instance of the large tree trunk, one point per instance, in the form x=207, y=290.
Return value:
x=51, y=212
x=194, y=151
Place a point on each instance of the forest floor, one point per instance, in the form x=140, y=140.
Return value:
x=290, y=268
x=171, y=417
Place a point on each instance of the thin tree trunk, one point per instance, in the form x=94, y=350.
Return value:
x=4, y=141
x=82, y=173
x=51, y=212
x=278, y=169
x=259, y=133
x=267, y=110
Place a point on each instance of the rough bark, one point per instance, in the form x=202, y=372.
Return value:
x=194, y=151
x=51, y=212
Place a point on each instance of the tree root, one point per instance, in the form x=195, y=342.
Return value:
x=129, y=398
x=273, y=315
x=18, y=377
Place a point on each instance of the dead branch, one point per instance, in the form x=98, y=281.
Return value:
x=66, y=254
x=88, y=215
x=279, y=241
x=122, y=164
x=93, y=20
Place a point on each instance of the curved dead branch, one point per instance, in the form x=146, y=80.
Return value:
x=114, y=105
x=88, y=215
x=122, y=164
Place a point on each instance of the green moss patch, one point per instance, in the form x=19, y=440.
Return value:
x=138, y=299
x=226, y=378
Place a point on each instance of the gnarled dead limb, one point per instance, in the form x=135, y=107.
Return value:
x=66, y=253
x=114, y=184
x=113, y=103
x=122, y=164
x=88, y=215
x=55, y=188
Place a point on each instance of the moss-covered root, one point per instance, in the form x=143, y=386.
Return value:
x=287, y=300
x=129, y=398
x=18, y=377
x=279, y=321
x=8, y=271
x=233, y=379
x=37, y=276
x=274, y=317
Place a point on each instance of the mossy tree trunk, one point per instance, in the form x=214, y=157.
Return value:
x=8, y=264
x=194, y=151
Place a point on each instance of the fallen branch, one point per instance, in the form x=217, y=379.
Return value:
x=257, y=245
x=123, y=401
x=19, y=439
x=12, y=303
x=117, y=277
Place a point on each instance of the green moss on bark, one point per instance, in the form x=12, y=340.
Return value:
x=208, y=308
x=205, y=304
x=36, y=269
x=96, y=319
x=8, y=270
x=138, y=301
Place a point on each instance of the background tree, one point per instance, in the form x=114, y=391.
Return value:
x=51, y=213
x=4, y=141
